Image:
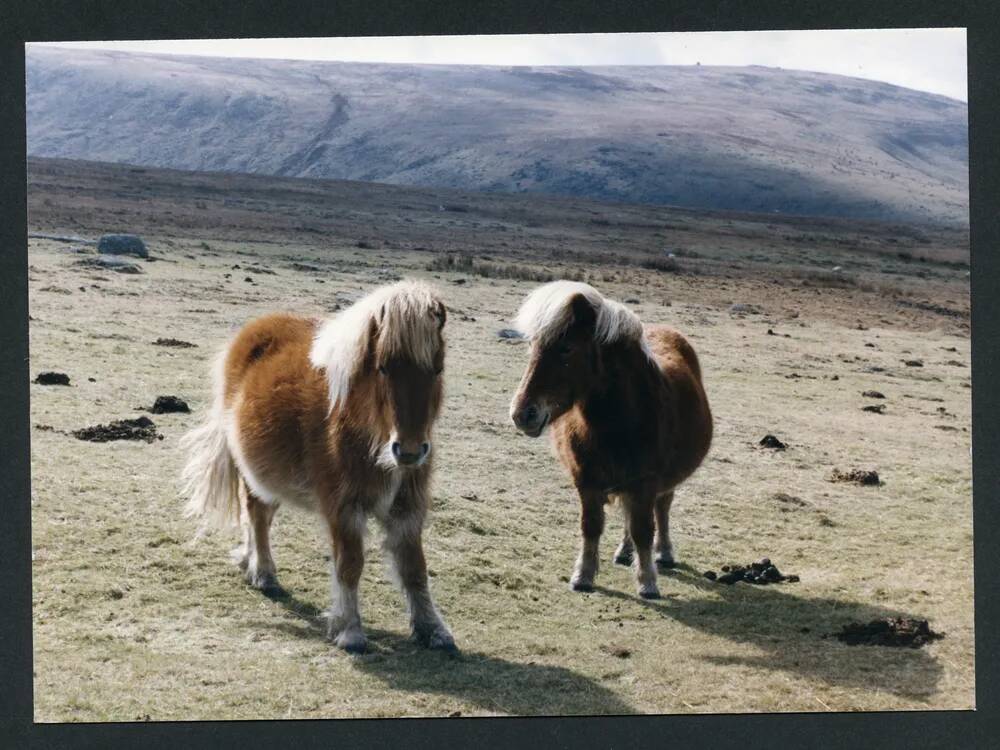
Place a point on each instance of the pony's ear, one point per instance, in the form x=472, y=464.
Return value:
x=441, y=313
x=584, y=314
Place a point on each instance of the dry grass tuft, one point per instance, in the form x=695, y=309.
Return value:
x=466, y=263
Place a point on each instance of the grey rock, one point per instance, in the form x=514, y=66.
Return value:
x=122, y=244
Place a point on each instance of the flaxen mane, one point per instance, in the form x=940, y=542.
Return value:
x=546, y=314
x=405, y=314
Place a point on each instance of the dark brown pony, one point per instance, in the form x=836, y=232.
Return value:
x=628, y=414
x=335, y=417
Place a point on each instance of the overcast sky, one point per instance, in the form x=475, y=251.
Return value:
x=926, y=59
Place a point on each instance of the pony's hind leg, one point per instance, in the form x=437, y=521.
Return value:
x=403, y=541
x=591, y=527
x=623, y=555
x=259, y=570
x=347, y=536
x=664, y=549
x=640, y=528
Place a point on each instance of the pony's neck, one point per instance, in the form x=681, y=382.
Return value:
x=627, y=387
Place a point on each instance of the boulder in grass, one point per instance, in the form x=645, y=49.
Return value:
x=122, y=244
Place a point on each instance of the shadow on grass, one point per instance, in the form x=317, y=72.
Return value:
x=790, y=629
x=495, y=685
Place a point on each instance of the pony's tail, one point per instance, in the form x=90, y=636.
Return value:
x=210, y=478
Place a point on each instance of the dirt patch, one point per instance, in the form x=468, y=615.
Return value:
x=142, y=428
x=784, y=497
x=619, y=652
x=52, y=378
x=170, y=405
x=873, y=394
x=890, y=631
x=856, y=476
x=175, y=343
x=762, y=573
x=874, y=408
x=110, y=263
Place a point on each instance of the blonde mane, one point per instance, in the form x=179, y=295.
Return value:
x=408, y=325
x=546, y=314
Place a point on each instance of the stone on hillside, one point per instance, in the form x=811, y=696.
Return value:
x=122, y=244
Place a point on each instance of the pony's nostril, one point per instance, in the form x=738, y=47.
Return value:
x=425, y=448
x=396, y=449
x=531, y=414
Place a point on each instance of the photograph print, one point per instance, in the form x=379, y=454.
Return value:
x=523, y=375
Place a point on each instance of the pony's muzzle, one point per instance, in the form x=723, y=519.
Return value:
x=530, y=419
x=410, y=458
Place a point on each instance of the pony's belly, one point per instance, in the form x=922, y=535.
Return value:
x=271, y=482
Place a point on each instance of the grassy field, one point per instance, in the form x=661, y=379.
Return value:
x=133, y=620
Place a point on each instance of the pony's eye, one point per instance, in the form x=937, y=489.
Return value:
x=382, y=370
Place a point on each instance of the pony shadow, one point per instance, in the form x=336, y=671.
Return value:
x=795, y=633
x=495, y=685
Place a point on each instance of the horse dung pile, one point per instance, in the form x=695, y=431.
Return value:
x=170, y=405
x=761, y=573
x=856, y=476
x=52, y=378
x=142, y=428
x=890, y=631
x=770, y=441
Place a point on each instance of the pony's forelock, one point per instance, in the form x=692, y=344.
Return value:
x=547, y=313
x=407, y=326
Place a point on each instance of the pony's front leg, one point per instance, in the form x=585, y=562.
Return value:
x=403, y=541
x=639, y=512
x=591, y=527
x=347, y=535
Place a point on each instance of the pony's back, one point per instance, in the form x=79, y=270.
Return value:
x=672, y=351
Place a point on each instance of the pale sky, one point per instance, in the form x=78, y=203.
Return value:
x=931, y=60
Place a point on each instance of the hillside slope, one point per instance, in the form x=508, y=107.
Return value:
x=751, y=139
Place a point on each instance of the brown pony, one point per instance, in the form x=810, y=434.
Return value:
x=335, y=417
x=628, y=414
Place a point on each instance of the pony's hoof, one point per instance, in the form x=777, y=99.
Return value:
x=442, y=640
x=666, y=563
x=352, y=642
x=623, y=558
x=239, y=557
x=434, y=637
x=649, y=592
x=582, y=586
x=263, y=580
